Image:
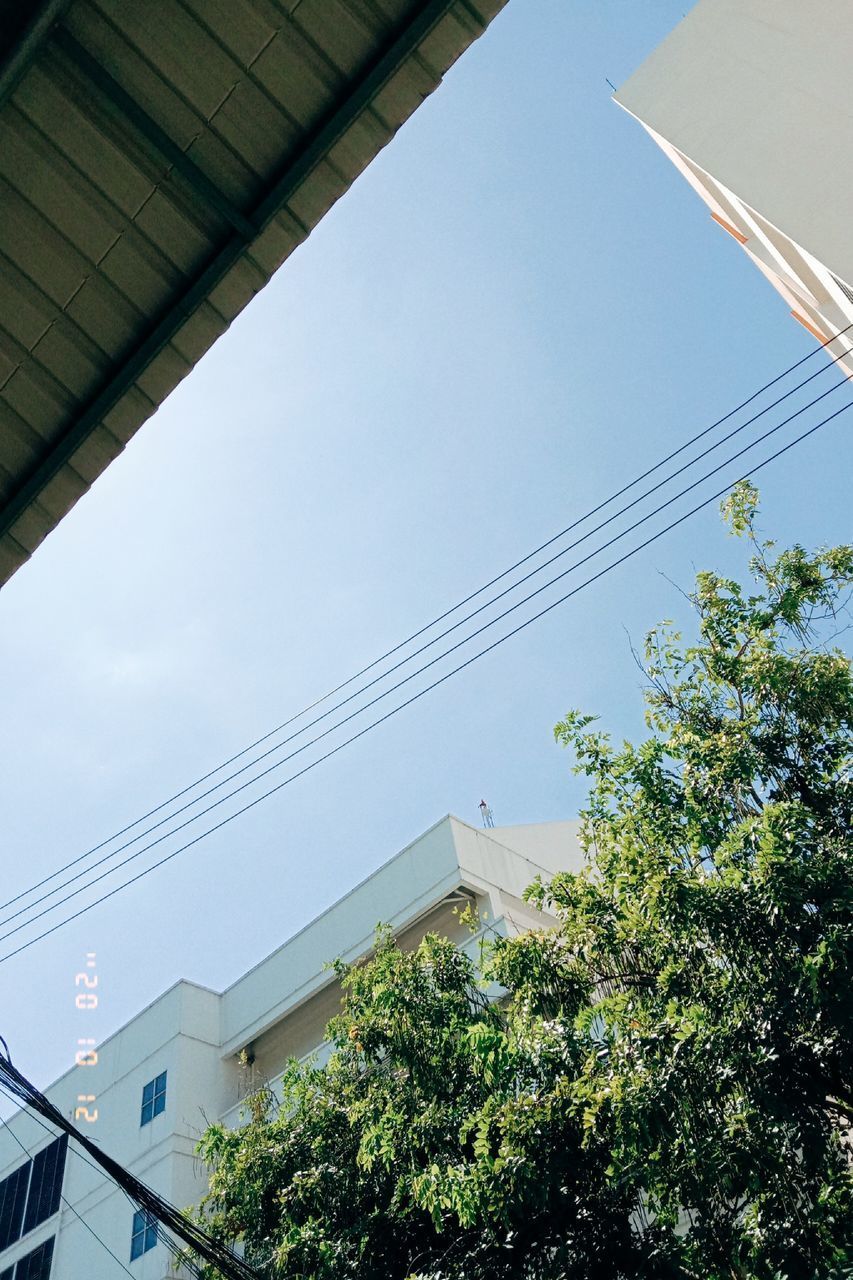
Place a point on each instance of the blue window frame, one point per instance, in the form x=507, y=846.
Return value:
x=153, y=1099
x=143, y=1236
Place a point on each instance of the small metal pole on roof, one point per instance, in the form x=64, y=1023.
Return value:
x=488, y=816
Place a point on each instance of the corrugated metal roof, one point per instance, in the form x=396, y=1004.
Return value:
x=159, y=160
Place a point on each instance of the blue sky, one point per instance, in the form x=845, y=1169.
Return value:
x=517, y=308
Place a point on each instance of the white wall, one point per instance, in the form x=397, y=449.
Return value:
x=758, y=93
x=280, y=1007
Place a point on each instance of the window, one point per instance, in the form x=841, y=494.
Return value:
x=35, y=1265
x=153, y=1099
x=45, y=1183
x=30, y=1196
x=13, y=1195
x=143, y=1235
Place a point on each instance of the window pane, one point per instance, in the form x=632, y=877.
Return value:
x=144, y=1234
x=36, y=1265
x=153, y=1098
x=7, y=1274
x=45, y=1183
x=13, y=1196
x=136, y=1236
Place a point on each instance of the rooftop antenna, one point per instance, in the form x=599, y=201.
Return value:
x=487, y=815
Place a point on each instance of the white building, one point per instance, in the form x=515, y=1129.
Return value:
x=175, y=1067
x=752, y=100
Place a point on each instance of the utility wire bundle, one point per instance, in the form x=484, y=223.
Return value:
x=27, y=915
x=170, y=1219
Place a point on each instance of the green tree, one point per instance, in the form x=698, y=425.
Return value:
x=665, y=1086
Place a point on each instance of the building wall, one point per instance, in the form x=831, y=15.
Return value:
x=278, y=1010
x=752, y=100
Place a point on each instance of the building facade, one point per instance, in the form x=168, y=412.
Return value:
x=752, y=101
x=148, y=1092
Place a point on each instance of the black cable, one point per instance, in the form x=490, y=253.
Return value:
x=65, y=1201
x=318, y=737
x=414, y=698
x=149, y=1201
x=175, y=1249
x=421, y=631
x=25, y=910
x=42, y=1125
x=71, y=1148
x=393, y=688
x=177, y=1252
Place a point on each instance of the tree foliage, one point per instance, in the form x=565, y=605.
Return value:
x=662, y=1084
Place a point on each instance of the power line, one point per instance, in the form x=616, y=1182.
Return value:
x=422, y=631
x=27, y=909
x=66, y=1202
x=201, y=1242
x=344, y=720
x=31, y=918
x=415, y=697
x=162, y=1235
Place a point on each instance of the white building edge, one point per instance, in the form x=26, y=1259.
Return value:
x=752, y=101
x=194, y=1036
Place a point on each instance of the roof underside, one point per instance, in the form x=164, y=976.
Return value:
x=159, y=160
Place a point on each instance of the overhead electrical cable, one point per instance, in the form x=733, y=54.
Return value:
x=366, y=706
x=149, y=1201
x=420, y=693
x=67, y=1203
x=428, y=626
x=110, y=856
x=33, y=916
x=162, y=1235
